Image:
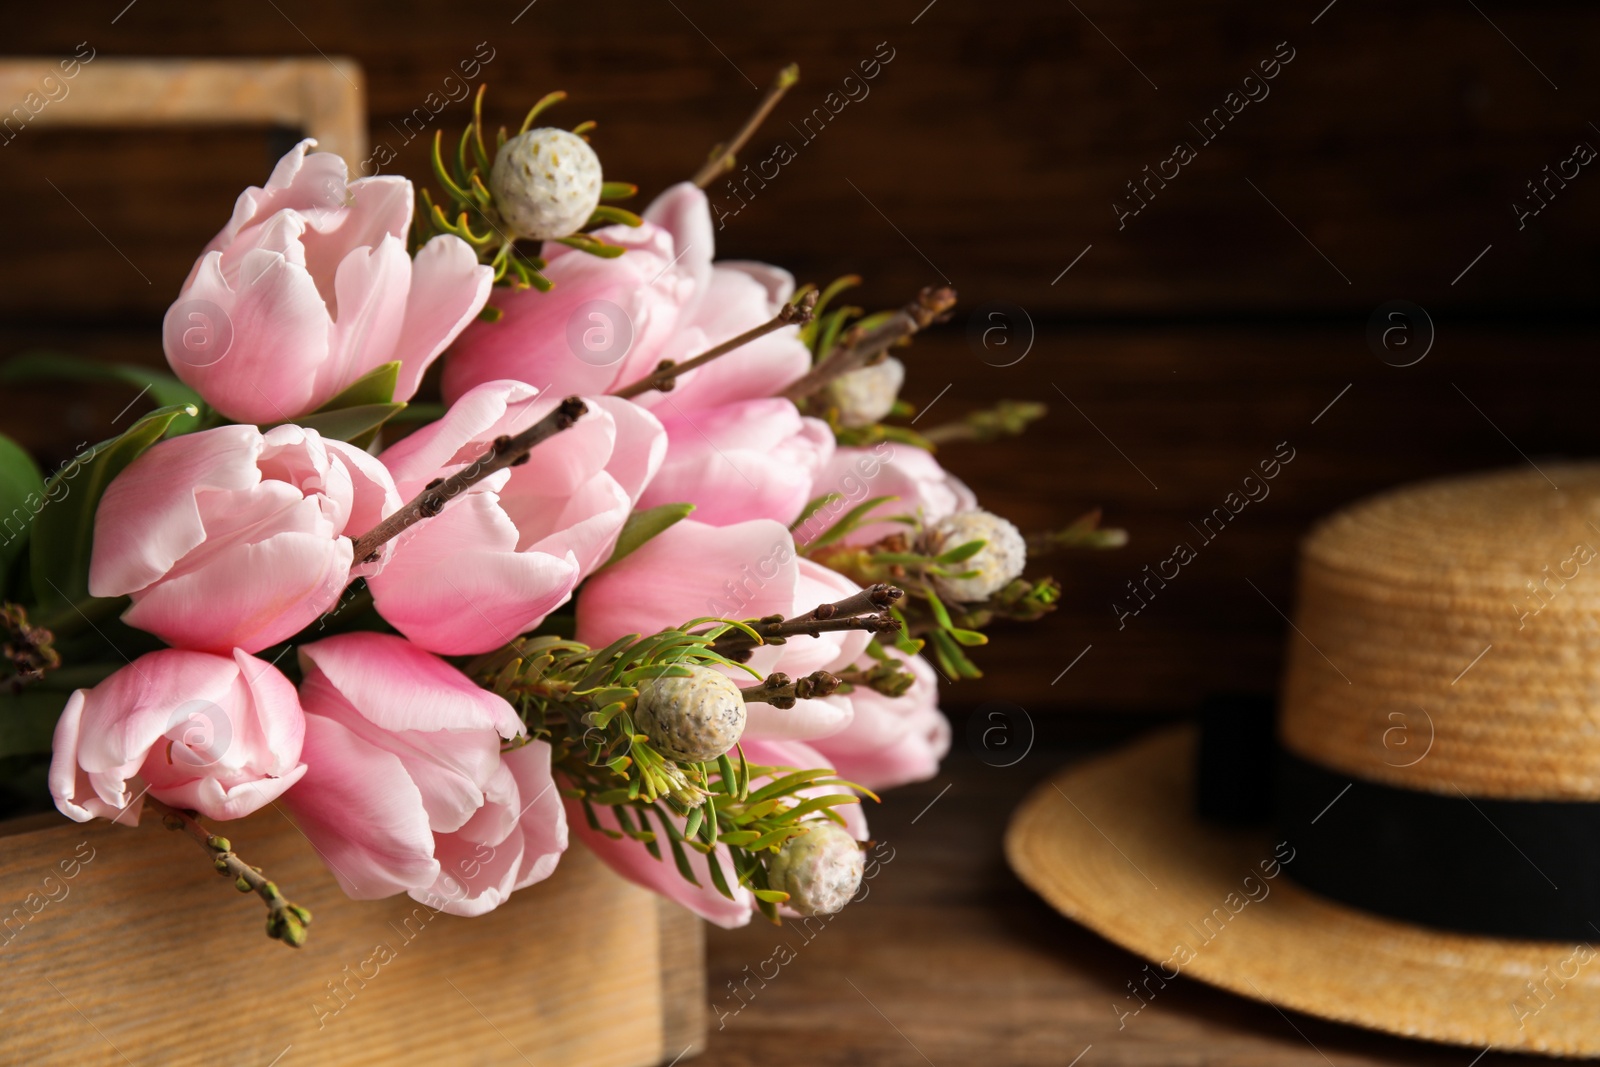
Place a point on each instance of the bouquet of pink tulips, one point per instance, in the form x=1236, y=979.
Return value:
x=667, y=569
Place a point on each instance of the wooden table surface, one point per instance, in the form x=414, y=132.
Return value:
x=951, y=961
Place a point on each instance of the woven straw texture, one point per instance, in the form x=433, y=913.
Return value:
x=1449, y=637
x=1113, y=844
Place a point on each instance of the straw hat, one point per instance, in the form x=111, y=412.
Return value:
x=1434, y=869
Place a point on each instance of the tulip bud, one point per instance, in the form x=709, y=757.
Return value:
x=865, y=396
x=1001, y=558
x=693, y=719
x=546, y=183
x=820, y=870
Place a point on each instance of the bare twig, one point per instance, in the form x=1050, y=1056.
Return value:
x=286, y=920
x=865, y=610
x=776, y=631
x=794, y=313
x=504, y=452
x=871, y=599
x=781, y=691
x=859, y=347
x=722, y=156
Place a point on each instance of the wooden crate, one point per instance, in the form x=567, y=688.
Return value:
x=120, y=945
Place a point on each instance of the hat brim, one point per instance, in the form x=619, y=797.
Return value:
x=1114, y=844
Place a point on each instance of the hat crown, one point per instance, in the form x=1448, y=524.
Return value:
x=1449, y=637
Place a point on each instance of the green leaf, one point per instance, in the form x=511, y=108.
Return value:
x=21, y=497
x=163, y=388
x=851, y=520
x=771, y=896
x=675, y=841
x=348, y=424
x=961, y=553
x=825, y=500
x=950, y=656
x=718, y=879
x=617, y=190
x=806, y=807
x=592, y=245
x=374, y=387
x=63, y=531
x=902, y=637
x=28, y=721
x=643, y=525
x=606, y=213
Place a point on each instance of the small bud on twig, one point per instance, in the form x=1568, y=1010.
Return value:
x=858, y=347
x=665, y=376
x=286, y=921
x=502, y=453
x=781, y=691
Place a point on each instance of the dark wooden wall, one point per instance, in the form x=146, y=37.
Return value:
x=1386, y=157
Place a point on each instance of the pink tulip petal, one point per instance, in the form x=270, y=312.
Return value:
x=441, y=448
x=448, y=289
x=456, y=585
x=685, y=213
x=370, y=285
x=362, y=813
x=151, y=518
x=251, y=596
x=398, y=686
x=474, y=878
x=74, y=794
x=542, y=816
x=691, y=570
x=371, y=211
x=640, y=444
x=807, y=720
x=276, y=330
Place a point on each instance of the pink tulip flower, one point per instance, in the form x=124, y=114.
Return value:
x=633, y=861
x=910, y=476
x=735, y=450
x=609, y=322
x=407, y=788
x=891, y=741
x=309, y=286
x=220, y=735
x=755, y=459
x=233, y=538
x=600, y=327
x=510, y=550
x=744, y=571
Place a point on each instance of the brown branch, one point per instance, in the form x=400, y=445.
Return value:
x=859, y=347
x=504, y=452
x=662, y=379
x=722, y=156
x=781, y=691
x=775, y=630
x=286, y=920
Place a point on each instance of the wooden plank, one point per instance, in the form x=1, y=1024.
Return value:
x=121, y=945
x=950, y=960
x=322, y=98
x=1397, y=140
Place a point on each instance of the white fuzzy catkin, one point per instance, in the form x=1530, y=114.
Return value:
x=546, y=183
x=1000, y=560
x=820, y=870
x=865, y=396
x=693, y=719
